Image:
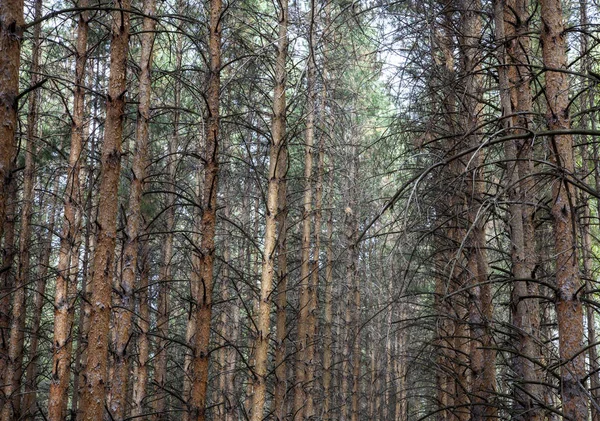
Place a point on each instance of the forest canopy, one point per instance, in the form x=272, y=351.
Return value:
x=308, y=210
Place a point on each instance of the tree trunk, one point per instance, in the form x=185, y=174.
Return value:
x=208, y=222
x=16, y=341
x=31, y=376
x=123, y=311
x=328, y=309
x=569, y=309
x=67, y=260
x=483, y=357
x=140, y=375
x=11, y=35
x=276, y=159
x=97, y=353
x=301, y=396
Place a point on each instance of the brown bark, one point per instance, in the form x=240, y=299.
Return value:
x=328, y=309
x=569, y=309
x=31, y=375
x=208, y=222
x=97, y=352
x=140, y=374
x=280, y=392
x=67, y=260
x=511, y=34
x=276, y=159
x=163, y=316
x=38, y=300
x=11, y=35
x=17, y=337
x=78, y=405
x=123, y=311
x=301, y=396
x=482, y=364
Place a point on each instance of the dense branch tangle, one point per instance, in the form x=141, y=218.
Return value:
x=325, y=210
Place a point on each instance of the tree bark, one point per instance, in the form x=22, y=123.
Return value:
x=263, y=324
x=123, y=312
x=208, y=222
x=67, y=260
x=569, y=309
x=97, y=353
x=301, y=396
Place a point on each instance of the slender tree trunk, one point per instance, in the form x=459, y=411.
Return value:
x=140, y=375
x=123, y=313
x=11, y=35
x=569, y=309
x=31, y=375
x=483, y=382
x=67, y=260
x=7, y=278
x=97, y=354
x=78, y=405
x=208, y=222
x=516, y=101
x=261, y=345
x=38, y=300
x=280, y=393
x=302, y=364
x=15, y=352
x=163, y=316
x=328, y=309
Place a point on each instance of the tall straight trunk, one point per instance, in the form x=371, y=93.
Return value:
x=279, y=113
x=569, y=309
x=124, y=310
x=209, y=214
x=328, y=309
x=586, y=237
x=7, y=277
x=457, y=327
x=163, y=311
x=314, y=274
x=302, y=363
x=11, y=35
x=38, y=300
x=482, y=364
x=276, y=159
x=163, y=316
x=351, y=319
x=94, y=396
x=15, y=352
x=31, y=375
x=78, y=407
x=67, y=260
x=140, y=374
x=231, y=355
x=516, y=104
x=354, y=283
x=195, y=279
x=586, y=246
x=280, y=392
